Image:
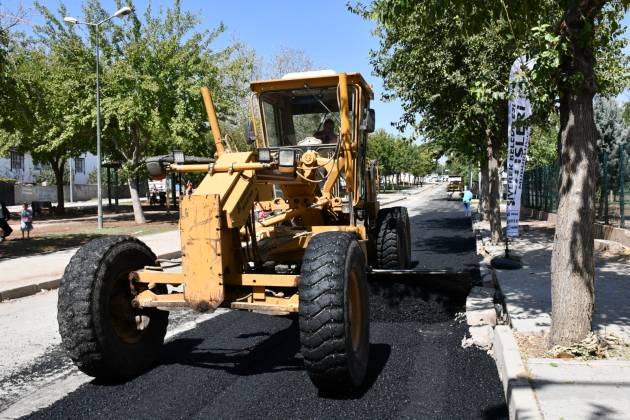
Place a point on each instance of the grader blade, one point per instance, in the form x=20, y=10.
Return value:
x=202, y=265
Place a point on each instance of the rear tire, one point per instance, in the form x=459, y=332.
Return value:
x=393, y=239
x=97, y=323
x=334, y=312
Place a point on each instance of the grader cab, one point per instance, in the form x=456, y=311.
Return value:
x=290, y=227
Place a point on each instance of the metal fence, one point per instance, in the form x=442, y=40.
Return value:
x=540, y=187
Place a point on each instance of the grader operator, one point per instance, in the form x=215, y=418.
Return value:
x=310, y=254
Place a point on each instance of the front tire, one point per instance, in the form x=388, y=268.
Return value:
x=102, y=333
x=334, y=312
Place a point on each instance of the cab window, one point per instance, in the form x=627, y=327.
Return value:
x=291, y=117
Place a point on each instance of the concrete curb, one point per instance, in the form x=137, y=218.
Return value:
x=33, y=289
x=519, y=394
x=385, y=203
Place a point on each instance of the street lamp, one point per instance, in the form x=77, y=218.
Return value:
x=123, y=11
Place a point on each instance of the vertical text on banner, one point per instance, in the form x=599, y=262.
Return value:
x=519, y=109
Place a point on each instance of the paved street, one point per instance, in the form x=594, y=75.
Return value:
x=246, y=365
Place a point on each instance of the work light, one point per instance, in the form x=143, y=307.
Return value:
x=178, y=156
x=264, y=155
x=286, y=160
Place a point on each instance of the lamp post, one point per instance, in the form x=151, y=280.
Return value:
x=123, y=11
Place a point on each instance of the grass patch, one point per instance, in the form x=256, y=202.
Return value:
x=52, y=242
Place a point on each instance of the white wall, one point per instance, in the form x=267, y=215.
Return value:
x=89, y=166
x=28, y=174
x=25, y=175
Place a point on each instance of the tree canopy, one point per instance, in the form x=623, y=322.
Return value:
x=152, y=66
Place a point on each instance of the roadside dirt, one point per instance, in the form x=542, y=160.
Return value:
x=596, y=346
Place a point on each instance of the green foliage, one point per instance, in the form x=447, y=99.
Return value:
x=543, y=145
x=396, y=155
x=612, y=133
x=453, y=83
x=151, y=71
x=611, y=128
x=626, y=113
x=449, y=62
x=460, y=165
x=47, y=175
x=48, y=115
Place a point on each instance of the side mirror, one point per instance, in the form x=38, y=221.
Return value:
x=156, y=168
x=369, y=120
x=250, y=137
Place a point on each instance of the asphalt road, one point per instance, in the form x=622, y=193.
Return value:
x=246, y=365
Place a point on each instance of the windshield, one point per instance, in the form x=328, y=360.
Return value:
x=295, y=116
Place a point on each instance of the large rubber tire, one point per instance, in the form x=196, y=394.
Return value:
x=334, y=312
x=96, y=320
x=393, y=239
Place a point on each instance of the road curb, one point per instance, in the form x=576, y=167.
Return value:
x=519, y=394
x=518, y=390
x=393, y=201
x=33, y=289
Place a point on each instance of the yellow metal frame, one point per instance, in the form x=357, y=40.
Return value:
x=222, y=246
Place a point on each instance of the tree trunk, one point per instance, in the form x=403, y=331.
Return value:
x=494, y=181
x=484, y=194
x=138, y=214
x=57, y=168
x=572, y=263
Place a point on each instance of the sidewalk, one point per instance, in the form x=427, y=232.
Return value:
x=24, y=276
x=566, y=388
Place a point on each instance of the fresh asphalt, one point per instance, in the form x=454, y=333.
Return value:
x=245, y=365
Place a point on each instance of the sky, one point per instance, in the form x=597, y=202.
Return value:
x=325, y=30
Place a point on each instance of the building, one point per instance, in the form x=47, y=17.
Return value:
x=22, y=168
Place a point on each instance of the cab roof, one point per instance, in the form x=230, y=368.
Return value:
x=312, y=79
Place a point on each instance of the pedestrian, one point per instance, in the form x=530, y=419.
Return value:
x=189, y=188
x=5, y=215
x=466, y=199
x=26, y=221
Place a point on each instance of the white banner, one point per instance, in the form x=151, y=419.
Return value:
x=519, y=108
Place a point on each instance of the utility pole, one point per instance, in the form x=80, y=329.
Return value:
x=71, y=179
x=123, y=11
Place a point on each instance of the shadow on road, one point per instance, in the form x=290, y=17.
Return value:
x=274, y=353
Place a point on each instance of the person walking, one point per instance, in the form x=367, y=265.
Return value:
x=466, y=199
x=26, y=221
x=189, y=188
x=5, y=215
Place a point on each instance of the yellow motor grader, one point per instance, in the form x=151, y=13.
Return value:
x=290, y=227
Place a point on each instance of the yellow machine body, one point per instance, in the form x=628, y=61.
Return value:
x=245, y=228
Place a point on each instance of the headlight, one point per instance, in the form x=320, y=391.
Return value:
x=264, y=155
x=286, y=160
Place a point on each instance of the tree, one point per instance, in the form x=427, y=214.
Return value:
x=626, y=113
x=543, y=145
x=50, y=117
x=152, y=70
x=422, y=160
x=381, y=148
x=611, y=132
x=586, y=29
x=577, y=46
x=286, y=60
x=453, y=84
x=396, y=155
